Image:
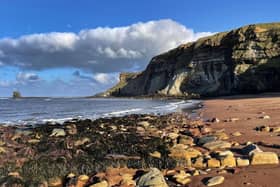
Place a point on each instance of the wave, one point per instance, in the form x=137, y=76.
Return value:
x=122, y=112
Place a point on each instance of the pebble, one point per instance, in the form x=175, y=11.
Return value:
x=236, y=133
x=215, y=181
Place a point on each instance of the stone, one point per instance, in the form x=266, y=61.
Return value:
x=55, y=182
x=206, y=139
x=228, y=161
x=71, y=129
x=186, y=140
x=155, y=154
x=192, y=153
x=100, y=184
x=276, y=129
x=259, y=158
x=221, y=135
x=199, y=163
x=215, y=120
x=265, y=117
x=145, y=124
x=33, y=141
x=250, y=149
x=173, y=135
x=153, y=178
x=219, y=144
x=82, y=180
x=58, y=132
x=206, y=130
x=81, y=141
x=242, y=162
x=224, y=153
x=233, y=120
x=213, y=163
x=215, y=181
x=127, y=180
x=182, y=177
x=236, y=134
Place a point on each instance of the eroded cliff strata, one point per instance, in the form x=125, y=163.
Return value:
x=245, y=60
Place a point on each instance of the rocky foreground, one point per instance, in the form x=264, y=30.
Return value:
x=230, y=142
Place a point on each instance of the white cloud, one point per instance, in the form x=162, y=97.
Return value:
x=102, y=78
x=100, y=50
x=23, y=77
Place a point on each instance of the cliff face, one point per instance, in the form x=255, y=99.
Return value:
x=245, y=60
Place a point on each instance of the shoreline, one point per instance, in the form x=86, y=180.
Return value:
x=105, y=148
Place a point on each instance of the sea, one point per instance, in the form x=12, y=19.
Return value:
x=31, y=111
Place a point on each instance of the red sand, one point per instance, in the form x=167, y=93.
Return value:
x=248, y=109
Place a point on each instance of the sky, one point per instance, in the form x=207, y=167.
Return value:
x=78, y=48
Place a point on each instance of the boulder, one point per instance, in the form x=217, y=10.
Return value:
x=206, y=139
x=153, y=178
x=250, y=149
x=259, y=158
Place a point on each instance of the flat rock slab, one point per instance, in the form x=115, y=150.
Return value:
x=259, y=158
x=219, y=144
x=153, y=178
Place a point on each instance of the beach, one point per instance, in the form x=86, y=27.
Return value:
x=177, y=149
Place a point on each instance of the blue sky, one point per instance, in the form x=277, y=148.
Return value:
x=77, y=48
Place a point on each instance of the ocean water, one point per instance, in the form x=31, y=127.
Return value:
x=40, y=110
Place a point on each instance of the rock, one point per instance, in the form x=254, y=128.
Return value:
x=182, y=178
x=33, y=141
x=199, y=163
x=221, y=135
x=71, y=129
x=224, y=153
x=55, y=182
x=81, y=141
x=145, y=124
x=153, y=178
x=186, y=140
x=242, y=162
x=206, y=139
x=82, y=180
x=250, y=149
x=265, y=117
x=215, y=120
x=155, y=154
x=236, y=133
x=58, y=132
x=219, y=144
x=276, y=129
x=127, y=180
x=215, y=181
x=263, y=128
x=258, y=158
x=100, y=184
x=206, y=130
x=228, y=161
x=173, y=136
x=192, y=153
x=232, y=120
x=213, y=163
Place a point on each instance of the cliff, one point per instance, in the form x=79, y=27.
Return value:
x=245, y=60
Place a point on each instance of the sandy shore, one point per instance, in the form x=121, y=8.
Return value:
x=249, y=109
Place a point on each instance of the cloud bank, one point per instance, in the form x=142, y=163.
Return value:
x=99, y=50
x=92, y=57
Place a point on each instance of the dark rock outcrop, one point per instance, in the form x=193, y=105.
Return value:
x=245, y=60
